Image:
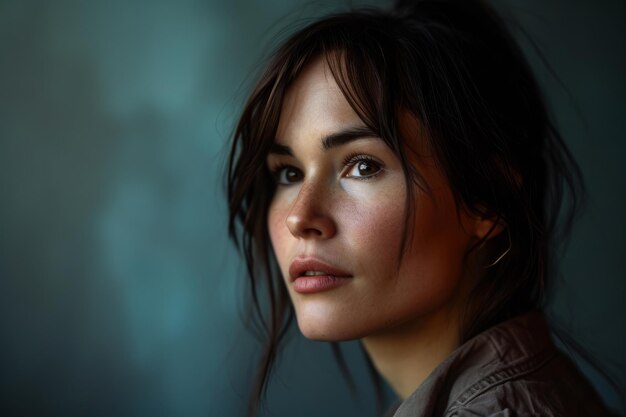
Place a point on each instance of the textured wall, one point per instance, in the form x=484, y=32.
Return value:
x=119, y=292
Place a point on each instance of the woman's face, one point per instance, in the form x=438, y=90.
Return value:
x=338, y=216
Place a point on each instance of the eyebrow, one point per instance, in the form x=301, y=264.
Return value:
x=331, y=141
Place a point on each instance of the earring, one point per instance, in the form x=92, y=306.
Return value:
x=503, y=254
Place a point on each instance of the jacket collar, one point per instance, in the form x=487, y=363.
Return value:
x=502, y=352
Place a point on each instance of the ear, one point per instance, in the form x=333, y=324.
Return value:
x=486, y=227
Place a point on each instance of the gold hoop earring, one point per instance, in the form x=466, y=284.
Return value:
x=494, y=263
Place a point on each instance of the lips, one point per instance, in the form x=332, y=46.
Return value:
x=311, y=266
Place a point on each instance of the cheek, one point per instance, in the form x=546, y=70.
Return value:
x=374, y=228
x=433, y=262
x=277, y=228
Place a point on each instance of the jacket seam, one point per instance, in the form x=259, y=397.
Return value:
x=501, y=376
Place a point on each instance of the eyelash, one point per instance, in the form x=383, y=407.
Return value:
x=348, y=162
x=352, y=159
x=277, y=169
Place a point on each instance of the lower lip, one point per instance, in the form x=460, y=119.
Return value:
x=317, y=283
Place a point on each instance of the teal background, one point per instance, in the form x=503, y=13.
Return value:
x=119, y=290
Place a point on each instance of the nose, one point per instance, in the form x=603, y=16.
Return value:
x=311, y=214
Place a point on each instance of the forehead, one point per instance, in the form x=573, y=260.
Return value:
x=314, y=105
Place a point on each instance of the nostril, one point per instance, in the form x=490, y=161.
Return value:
x=313, y=231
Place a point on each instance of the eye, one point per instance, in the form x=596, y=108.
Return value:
x=286, y=174
x=363, y=167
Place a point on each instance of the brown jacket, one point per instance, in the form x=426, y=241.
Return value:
x=512, y=369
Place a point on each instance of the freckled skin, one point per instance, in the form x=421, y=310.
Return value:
x=357, y=225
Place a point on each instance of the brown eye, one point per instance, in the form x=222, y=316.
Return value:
x=366, y=168
x=287, y=174
x=363, y=167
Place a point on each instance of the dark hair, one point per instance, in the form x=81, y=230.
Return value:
x=456, y=68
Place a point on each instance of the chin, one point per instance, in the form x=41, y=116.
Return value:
x=324, y=335
x=327, y=330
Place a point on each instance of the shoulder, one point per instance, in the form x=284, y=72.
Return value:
x=556, y=389
x=531, y=377
x=512, y=369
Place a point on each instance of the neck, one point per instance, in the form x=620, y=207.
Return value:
x=406, y=354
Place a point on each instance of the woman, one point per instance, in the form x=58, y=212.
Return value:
x=395, y=178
